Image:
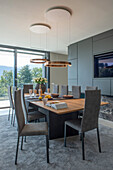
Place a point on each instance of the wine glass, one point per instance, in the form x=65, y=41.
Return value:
x=30, y=92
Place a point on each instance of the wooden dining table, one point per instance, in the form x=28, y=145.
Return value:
x=56, y=118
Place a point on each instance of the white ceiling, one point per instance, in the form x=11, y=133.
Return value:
x=89, y=17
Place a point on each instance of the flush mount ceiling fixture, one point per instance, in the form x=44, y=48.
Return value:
x=38, y=61
x=57, y=13
x=57, y=64
x=40, y=28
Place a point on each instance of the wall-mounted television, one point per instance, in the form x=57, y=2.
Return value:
x=103, y=65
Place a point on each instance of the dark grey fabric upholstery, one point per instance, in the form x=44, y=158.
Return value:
x=91, y=88
x=35, y=129
x=55, y=88
x=19, y=111
x=90, y=114
x=75, y=124
x=76, y=91
x=30, y=116
x=91, y=111
x=64, y=90
x=26, y=87
x=28, y=129
x=90, y=118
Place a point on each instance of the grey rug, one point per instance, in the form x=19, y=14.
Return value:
x=33, y=156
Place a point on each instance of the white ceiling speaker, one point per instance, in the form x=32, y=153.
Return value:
x=40, y=28
x=58, y=13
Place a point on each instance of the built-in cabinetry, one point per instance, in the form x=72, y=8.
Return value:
x=81, y=55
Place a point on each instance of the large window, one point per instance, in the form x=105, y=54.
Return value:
x=16, y=69
x=6, y=74
x=26, y=71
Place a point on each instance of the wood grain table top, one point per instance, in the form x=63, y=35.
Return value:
x=74, y=105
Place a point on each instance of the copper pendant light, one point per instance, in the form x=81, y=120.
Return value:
x=38, y=61
x=57, y=64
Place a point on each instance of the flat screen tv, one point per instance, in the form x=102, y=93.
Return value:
x=103, y=65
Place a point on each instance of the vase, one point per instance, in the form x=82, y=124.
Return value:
x=40, y=86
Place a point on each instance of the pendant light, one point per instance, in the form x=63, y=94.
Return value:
x=58, y=14
x=39, y=28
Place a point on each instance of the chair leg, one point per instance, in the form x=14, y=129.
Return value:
x=22, y=143
x=65, y=135
x=83, y=153
x=12, y=117
x=47, y=148
x=17, y=151
x=9, y=114
x=98, y=140
x=25, y=139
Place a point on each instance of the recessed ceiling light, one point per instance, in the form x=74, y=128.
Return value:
x=40, y=28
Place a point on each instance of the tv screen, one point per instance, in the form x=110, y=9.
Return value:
x=103, y=65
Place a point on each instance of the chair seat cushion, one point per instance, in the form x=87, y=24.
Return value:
x=35, y=129
x=32, y=116
x=75, y=124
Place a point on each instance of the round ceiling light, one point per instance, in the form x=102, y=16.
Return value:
x=40, y=28
x=58, y=13
x=38, y=61
x=57, y=64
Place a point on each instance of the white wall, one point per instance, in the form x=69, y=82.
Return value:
x=58, y=75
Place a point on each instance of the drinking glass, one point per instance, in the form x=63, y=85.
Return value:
x=30, y=92
x=45, y=100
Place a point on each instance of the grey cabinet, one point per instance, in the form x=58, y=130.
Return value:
x=72, y=71
x=103, y=85
x=85, y=63
x=72, y=51
x=103, y=45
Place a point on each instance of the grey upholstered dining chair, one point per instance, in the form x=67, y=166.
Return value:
x=31, y=129
x=64, y=90
x=55, y=88
x=91, y=88
x=90, y=117
x=11, y=105
x=26, y=87
x=30, y=116
x=76, y=91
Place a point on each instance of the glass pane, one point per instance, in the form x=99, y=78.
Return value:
x=6, y=76
x=26, y=71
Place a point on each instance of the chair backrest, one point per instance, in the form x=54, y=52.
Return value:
x=26, y=87
x=76, y=91
x=19, y=111
x=91, y=88
x=10, y=97
x=24, y=105
x=55, y=88
x=64, y=90
x=91, y=110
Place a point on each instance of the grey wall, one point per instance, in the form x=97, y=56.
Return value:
x=58, y=75
x=81, y=55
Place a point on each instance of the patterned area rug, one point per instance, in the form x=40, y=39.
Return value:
x=33, y=156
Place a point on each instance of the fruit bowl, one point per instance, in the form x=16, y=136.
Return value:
x=54, y=95
x=48, y=96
